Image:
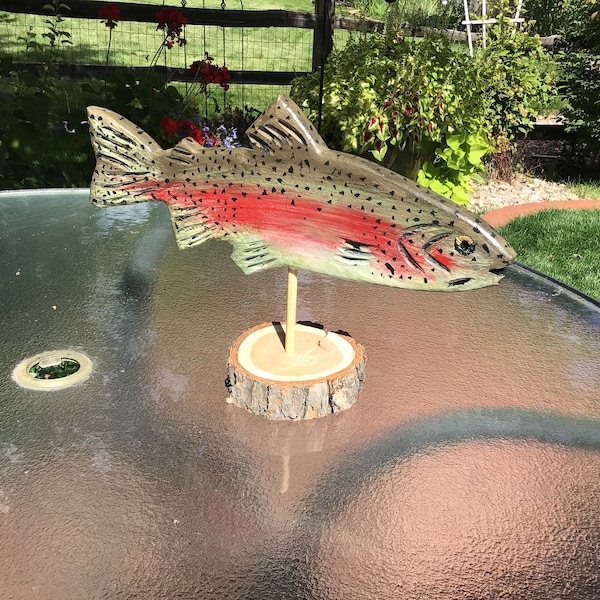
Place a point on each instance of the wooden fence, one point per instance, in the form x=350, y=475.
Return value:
x=323, y=22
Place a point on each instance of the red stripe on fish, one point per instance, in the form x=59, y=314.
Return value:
x=289, y=220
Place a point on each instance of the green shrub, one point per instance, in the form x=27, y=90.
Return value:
x=580, y=74
x=517, y=78
x=381, y=93
x=42, y=142
x=407, y=102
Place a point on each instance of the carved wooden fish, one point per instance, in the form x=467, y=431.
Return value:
x=291, y=201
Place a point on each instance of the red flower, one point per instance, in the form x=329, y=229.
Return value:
x=169, y=126
x=191, y=130
x=111, y=14
x=209, y=73
x=172, y=22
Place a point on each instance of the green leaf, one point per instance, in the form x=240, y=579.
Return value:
x=459, y=196
x=455, y=141
x=380, y=154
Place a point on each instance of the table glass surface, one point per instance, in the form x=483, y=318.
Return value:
x=468, y=468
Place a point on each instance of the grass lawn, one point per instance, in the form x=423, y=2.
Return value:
x=562, y=243
x=585, y=189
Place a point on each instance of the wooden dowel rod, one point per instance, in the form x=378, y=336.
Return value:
x=290, y=324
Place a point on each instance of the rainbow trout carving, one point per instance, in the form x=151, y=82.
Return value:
x=291, y=201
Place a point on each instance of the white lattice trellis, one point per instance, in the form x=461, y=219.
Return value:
x=484, y=22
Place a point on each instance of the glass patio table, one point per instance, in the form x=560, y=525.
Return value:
x=468, y=468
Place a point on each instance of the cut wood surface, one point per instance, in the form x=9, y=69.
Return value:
x=323, y=376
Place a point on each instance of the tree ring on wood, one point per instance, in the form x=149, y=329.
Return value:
x=322, y=376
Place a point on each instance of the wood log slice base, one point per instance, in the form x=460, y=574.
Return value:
x=323, y=376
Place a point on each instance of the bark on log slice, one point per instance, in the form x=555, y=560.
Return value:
x=323, y=376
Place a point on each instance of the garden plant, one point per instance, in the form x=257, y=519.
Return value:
x=426, y=108
x=43, y=145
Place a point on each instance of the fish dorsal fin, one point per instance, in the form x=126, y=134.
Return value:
x=284, y=125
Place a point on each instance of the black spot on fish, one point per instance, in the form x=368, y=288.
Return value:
x=424, y=279
x=476, y=230
x=264, y=193
x=451, y=224
x=485, y=247
x=390, y=268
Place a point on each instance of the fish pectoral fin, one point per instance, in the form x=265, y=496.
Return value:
x=251, y=254
x=284, y=125
x=353, y=253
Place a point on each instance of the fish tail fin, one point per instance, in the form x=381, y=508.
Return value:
x=124, y=158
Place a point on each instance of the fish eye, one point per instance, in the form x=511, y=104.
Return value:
x=464, y=245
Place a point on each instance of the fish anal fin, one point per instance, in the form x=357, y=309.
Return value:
x=192, y=227
x=283, y=124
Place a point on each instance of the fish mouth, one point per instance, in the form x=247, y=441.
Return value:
x=500, y=273
x=463, y=281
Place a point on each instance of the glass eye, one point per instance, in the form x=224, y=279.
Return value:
x=464, y=245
